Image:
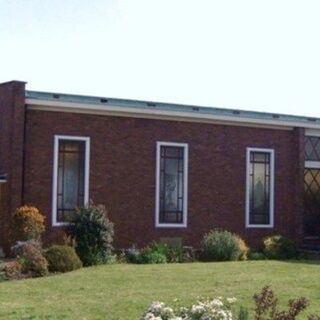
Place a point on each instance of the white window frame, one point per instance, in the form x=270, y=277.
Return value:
x=57, y=139
x=309, y=163
x=185, y=189
x=272, y=173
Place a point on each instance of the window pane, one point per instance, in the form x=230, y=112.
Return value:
x=312, y=201
x=171, y=184
x=70, y=193
x=312, y=148
x=259, y=188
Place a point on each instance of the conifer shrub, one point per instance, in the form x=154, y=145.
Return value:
x=93, y=234
x=27, y=224
x=62, y=258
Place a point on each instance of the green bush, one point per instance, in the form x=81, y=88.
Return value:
x=62, y=258
x=93, y=232
x=147, y=256
x=174, y=253
x=32, y=261
x=219, y=245
x=255, y=255
x=159, y=247
x=279, y=247
x=132, y=255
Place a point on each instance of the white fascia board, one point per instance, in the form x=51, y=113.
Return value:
x=312, y=132
x=60, y=106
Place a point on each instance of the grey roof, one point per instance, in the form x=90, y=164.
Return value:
x=125, y=103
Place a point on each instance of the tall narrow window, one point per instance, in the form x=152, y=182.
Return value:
x=311, y=214
x=171, y=184
x=71, y=177
x=260, y=185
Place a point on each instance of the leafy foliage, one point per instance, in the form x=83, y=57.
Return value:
x=62, y=258
x=158, y=252
x=244, y=250
x=266, y=307
x=27, y=224
x=93, y=232
x=12, y=270
x=32, y=260
x=279, y=247
x=256, y=255
x=220, y=245
x=148, y=256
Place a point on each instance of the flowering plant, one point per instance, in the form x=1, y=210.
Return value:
x=208, y=309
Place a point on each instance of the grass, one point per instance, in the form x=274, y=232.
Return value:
x=124, y=291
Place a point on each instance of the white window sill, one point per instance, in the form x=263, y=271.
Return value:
x=170, y=225
x=260, y=226
x=61, y=224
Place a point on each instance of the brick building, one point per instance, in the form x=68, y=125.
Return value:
x=163, y=170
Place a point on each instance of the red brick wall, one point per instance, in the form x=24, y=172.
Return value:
x=12, y=114
x=122, y=173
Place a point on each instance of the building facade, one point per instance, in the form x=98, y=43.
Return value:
x=164, y=171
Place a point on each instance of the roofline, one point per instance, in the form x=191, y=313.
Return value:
x=58, y=102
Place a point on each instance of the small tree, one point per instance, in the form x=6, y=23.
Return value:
x=93, y=232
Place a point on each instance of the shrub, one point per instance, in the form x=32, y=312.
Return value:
x=62, y=258
x=279, y=247
x=176, y=254
x=244, y=250
x=255, y=255
x=93, y=233
x=266, y=307
x=132, y=255
x=32, y=260
x=159, y=247
x=208, y=309
x=27, y=224
x=219, y=245
x=12, y=270
x=148, y=256
x=18, y=248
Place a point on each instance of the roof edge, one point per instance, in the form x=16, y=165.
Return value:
x=61, y=100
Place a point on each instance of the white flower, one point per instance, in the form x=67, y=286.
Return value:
x=156, y=307
x=216, y=303
x=232, y=300
x=149, y=316
x=167, y=312
x=198, y=309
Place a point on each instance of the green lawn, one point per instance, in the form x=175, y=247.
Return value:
x=124, y=291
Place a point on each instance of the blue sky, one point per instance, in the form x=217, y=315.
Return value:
x=254, y=55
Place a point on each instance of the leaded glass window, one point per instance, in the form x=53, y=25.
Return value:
x=312, y=148
x=259, y=187
x=312, y=201
x=71, y=177
x=171, y=197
